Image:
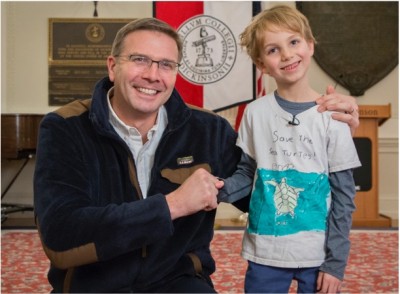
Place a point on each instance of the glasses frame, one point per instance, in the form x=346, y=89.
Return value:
x=129, y=58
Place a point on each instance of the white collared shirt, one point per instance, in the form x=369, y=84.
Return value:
x=143, y=154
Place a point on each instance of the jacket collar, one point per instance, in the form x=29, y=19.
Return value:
x=177, y=110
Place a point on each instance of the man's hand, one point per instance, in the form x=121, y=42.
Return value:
x=327, y=283
x=346, y=107
x=198, y=192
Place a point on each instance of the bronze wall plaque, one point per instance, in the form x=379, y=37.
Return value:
x=357, y=42
x=78, y=49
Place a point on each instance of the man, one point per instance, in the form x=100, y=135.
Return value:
x=125, y=183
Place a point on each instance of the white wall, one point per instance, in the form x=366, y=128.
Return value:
x=25, y=43
x=24, y=73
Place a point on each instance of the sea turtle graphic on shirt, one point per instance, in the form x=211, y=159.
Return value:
x=285, y=197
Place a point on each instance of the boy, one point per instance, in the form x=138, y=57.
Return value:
x=301, y=162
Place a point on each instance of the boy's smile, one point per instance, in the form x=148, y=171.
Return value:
x=292, y=66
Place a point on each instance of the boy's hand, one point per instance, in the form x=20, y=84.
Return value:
x=327, y=283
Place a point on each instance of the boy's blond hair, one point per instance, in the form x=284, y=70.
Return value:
x=281, y=17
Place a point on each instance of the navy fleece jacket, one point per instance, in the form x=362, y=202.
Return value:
x=98, y=232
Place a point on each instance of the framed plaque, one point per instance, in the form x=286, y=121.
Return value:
x=357, y=41
x=78, y=50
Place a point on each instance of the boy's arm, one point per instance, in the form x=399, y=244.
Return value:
x=339, y=223
x=239, y=185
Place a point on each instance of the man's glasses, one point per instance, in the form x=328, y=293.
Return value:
x=144, y=63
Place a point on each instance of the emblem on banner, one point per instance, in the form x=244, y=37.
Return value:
x=95, y=32
x=209, y=49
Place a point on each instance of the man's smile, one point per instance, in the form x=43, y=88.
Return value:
x=147, y=91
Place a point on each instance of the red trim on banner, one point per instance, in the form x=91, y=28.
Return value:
x=260, y=86
x=175, y=13
x=239, y=115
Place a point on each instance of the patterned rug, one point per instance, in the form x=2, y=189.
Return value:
x=373, y=264
x=372, y=267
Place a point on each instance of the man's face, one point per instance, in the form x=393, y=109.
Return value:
x=140, y=90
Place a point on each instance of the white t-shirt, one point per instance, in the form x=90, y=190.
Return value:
x=291, y=192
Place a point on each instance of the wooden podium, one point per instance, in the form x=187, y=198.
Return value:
x=367, y=201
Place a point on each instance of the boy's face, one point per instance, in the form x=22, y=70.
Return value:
x=286, y=56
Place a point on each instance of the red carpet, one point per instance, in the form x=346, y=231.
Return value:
x=373, y=266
